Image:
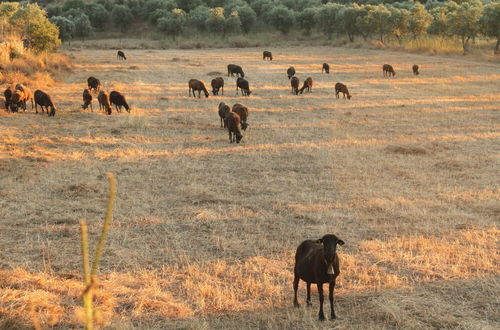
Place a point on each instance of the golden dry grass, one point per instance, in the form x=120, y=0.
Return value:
x=204, y=231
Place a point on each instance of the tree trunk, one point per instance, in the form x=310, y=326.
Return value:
x=351, y=36
x=497, y=46
x=381, y=38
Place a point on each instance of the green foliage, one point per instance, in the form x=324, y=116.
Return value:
x=306, y=20
x=216, y=20
x=173, y=23
x=122, y=17
x=198, y=16
x=247, y=17
x=349, y=18
x=327, y=18
x=379, y=20
x=420, y=20
x=54, y=10
x=282, y=19
x=83, y=27
x=188, y=5
x=490, y=22
x=232, y=24
x=66, y=27
x=399, y=21
x=439, y=24
x=154, y=9
x=73, y=4
x=97, y=14
x=464, y=20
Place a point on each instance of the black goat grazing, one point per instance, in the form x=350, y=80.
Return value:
x=8, y=95
x=43, y=100
x=267, y=54
x=308, y=84
x=217, y=84
x=326, y=68
x=120, y=55
x=28, y=95
x=295, y=85
x=242, y=111
x=290, y=72
x=118, y=99
x=233, y=127
x=87, y=99
x=104, y=103
x=341, y=88
x=94, y=84
x=415, y=69
x=224, y=109
x=318, y=263
x=16, y=100
x=197, y=85
x=233, y=69
x=244, y=86
x=387, y=70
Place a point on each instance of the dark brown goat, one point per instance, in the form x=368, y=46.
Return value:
x=317, y=262
x=120, y=55
x=387, y=70
x=244, y=86
x=43, y=100
x=118, y=99
x=16, y=100
x=308, y=84
x=197, y=85
x=233, y=69
x=94, y=84
x=87, y=99
x=28, y=95
x=326, y=68
x=233, y=127
x=341, y=88
x=290, y=72
x=295, y=85
x=217, y=84
x=104, y=103
x=8, y=95
x=242, y=111
x=415, y=69
x=267, y=54
x=224, y=109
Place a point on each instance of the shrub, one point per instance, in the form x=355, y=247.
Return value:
x=66, y=27
x=98, y=15
x=122, y=17
x=306, y=20
x=83, y=28
x=173, y=23
x=490, y=22
x=232, y=23
x=216, y=21
x=282, y=19
x=247, y=17
x=198, y=16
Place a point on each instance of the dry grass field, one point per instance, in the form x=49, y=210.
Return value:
x=204, y=232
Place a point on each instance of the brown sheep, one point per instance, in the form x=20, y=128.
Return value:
x=197, y=85
x=8, y=95
x=118, y=99
x=217, y=84
x=295, y=85
x=233, y=127
x=341, y=88
x=244, y=86
x=94, y=84
x=233, y=69
x=267, y=54
x=317, y=262
x=121, y=55
x=326, y=68
x=223, y=110
x=290, y=72
x=387, y=70
x=28, y=95
x=104, y=103
x=87, y=99
x=242, y=111
x=415, y=69
x=308, y=84
x=43, y=100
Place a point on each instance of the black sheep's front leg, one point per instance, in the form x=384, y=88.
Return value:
x=295, y=289
x=308, y=300
x=331, y=288
x=321, y=299
x=230, y=137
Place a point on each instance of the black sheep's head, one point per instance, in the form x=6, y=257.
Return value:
x=206, y=94
x=52, y=112
x=329, y=243
x=238, y=138
x=349, y=96
x=244, y=125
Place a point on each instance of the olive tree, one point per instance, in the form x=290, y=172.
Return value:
x=490, y=22
x=122, y=17
x=66, y=27
x=173, y=23
x=464, y=21
x=216, y=20
x=282, y=19
x=328, y=18
x=247, y=17
x=83, y=27
x=419, y=20
x=306, y=20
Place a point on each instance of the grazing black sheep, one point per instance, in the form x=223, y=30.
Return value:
x=87, y=99
x=28, y=95
x=308, y=84
x=104, y=103
x=387, y=70
x=295, y=85
x=317, y=262
x=94, y=84
x=341, y=88
x=326, y=68
x=233, y=127
x=217, y=84
x=244, y=86
x=118, y=99
x=233, y=69
x=120, y=55
x=415, y=69
x=267, y=54
x=16, y=100
x=223, y=111
x=43, y=100
x=242, y=111
x=197, y=85
x=8, y=95
x=290, y=72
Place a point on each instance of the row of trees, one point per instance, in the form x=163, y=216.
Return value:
x=395, y=19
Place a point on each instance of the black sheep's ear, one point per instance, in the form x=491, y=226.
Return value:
x=319, y=241
x=340, y=242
